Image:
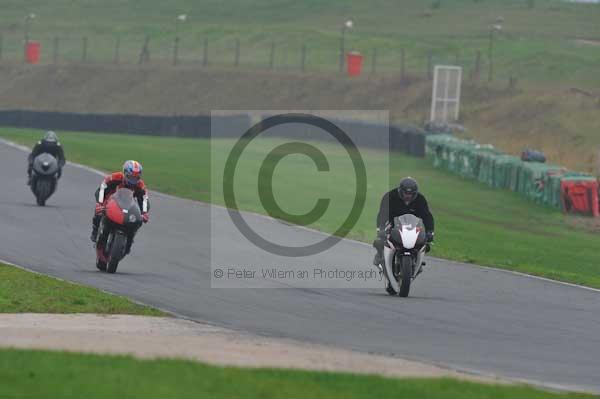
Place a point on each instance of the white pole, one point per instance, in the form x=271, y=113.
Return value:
x=459, y=85
x=434, y=94
x=446, y=92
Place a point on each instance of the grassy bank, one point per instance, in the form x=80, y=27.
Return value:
x=36, y=374
x=553, y=40
x=25, y=292
x=475, y=223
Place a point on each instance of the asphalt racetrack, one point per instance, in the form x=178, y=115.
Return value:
x=457, y=315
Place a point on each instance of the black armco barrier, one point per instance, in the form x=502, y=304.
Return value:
x=402, y=138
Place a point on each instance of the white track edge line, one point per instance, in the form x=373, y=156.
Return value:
x=459, y=370
x=513, y=272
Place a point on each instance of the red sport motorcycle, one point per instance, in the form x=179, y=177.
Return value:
x=121, y=219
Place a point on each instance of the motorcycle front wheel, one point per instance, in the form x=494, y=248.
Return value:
x=117, y=249
x=43, y=190
x=407, y=271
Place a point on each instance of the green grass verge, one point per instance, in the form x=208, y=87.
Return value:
x=475, y=223
x=38, y=374
x=25, y=292
x=536, y=43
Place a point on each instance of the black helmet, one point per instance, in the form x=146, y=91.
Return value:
x=408, y=189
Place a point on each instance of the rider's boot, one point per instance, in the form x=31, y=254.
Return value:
x=390, y=290
x=95, y=225
x=378, y=259
x=94, y=236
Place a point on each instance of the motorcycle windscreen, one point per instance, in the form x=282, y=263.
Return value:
x=127, y=202
x=45, y=164
x=408, y=222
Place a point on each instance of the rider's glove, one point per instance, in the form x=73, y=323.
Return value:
x=388, y=228
x=99, y=208
x=382, y=233
x=145, y=217
x=429, y=236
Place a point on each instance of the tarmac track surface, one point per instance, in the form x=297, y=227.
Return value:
x=458, y=315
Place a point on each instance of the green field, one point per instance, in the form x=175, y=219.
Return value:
x=25, y=292
x=475, y=223
x=536, y=44
x=37, y=374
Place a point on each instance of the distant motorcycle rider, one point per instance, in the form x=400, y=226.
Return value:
x=48, y=144
x=405, y=199
x=130, y=178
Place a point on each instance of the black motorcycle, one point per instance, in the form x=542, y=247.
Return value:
x=44, y=177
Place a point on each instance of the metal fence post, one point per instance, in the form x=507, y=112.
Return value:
x=303, y=57
x=402, y=64
x=55, y=45
x=477, y=67
x=272, y=57
x=176, y=51
x=512, y=83
x=145, y=53
x=429, y=65
x=374, y=61
x=84, y=49
x=117, y=50
x=342, y=61
x=205, y=53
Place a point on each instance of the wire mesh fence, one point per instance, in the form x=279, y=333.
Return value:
x=230, y=52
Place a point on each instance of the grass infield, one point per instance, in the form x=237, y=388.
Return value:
x=38, y=374
x=26, y=292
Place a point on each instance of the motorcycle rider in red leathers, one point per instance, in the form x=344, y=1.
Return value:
x=130, y=178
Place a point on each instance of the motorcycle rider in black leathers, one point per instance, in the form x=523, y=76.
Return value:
x=49, y=144
x=401, y=201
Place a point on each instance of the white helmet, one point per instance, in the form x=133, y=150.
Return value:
x=50, y=137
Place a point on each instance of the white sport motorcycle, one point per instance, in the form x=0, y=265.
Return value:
x=403, y=254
